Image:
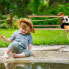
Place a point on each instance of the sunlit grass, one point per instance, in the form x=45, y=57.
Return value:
x=50, y=37
x=41, y=37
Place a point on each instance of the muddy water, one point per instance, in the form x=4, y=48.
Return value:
x=33, y=66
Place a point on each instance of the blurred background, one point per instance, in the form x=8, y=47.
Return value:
x=23, y=8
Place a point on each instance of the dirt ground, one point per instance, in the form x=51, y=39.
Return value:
x=42, y=54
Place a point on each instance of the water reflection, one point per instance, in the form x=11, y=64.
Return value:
x=18, y=66
x=34, y=66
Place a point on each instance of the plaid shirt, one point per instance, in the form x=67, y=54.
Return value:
x=22, y=39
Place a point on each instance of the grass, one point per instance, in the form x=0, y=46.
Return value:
x=50, y=37
x=7, y=33
x=41, y=37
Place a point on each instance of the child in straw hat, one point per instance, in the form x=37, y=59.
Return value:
x=21, y=40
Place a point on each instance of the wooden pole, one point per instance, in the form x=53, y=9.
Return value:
x=60, y=20
x=11, y=19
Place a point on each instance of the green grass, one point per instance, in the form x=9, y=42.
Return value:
x=41, y=37
x=50, y=37
x=7, y=33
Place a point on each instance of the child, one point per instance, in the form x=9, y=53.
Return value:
x=21, y=40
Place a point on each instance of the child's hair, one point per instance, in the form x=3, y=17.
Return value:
x=25, y=23
x=24, y=26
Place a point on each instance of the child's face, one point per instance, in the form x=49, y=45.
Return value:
x=24, y=31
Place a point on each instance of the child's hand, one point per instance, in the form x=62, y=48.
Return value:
x=3, y=38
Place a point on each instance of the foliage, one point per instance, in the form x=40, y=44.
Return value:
x=23, y=8
x=6, y=22
x=64, y=9
x=4, y=26
x=15, y=18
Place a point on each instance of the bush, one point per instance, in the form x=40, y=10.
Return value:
x=4, y=26
x=15, y=18
x=54, y=9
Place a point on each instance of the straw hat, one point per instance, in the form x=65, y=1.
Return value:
x=28, y=21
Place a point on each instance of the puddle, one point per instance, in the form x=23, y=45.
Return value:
x=33, y=66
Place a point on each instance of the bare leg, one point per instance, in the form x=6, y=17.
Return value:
x=22, y=55
x=6, y=53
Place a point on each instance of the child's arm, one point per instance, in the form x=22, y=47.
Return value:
x=5, y=39
x=29, y=46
